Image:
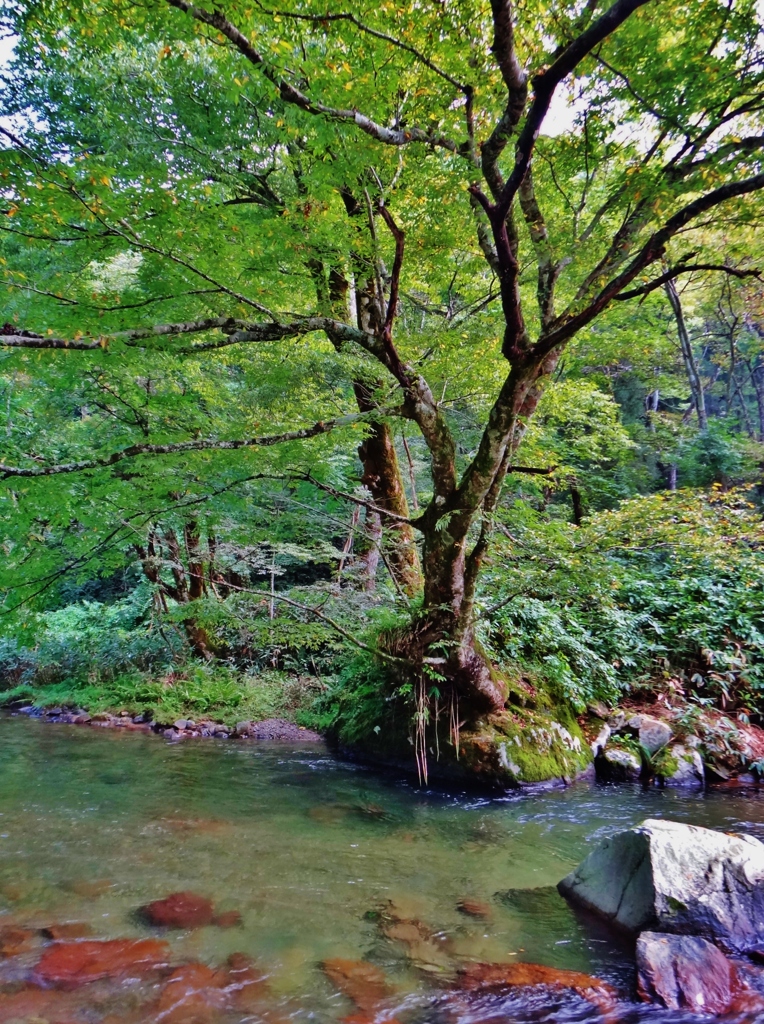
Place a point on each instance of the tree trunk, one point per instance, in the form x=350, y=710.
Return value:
x=381, y=471
x=382, y=478
x=187, y=586
x=746, y=416
x=442, y=639
x=756, y=372
x=369, y=549
x=578, y=505
x=690, y=365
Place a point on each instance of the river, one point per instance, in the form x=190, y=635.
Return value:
x=322, y=860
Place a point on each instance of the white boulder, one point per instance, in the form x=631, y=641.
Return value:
x=676, y=878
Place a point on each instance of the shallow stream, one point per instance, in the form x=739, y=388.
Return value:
x=322, y=860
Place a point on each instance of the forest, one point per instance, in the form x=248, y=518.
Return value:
x=393, y=369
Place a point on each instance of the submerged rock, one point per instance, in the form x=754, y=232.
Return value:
x=328, y=814
x=196, y=993
x=68, y=965
x=362, y=982
x=474, y=908
x=481, y=976
x=677, y=878
x=35, y=1005
x=15, y=939
x=228, y=919
x=179, y=910
x=426, y=949
x=246, y=985
x=67, y=930
x=684, y=972
x=88, y=888
x=192, y=993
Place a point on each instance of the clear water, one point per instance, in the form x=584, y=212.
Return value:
x=95, y=823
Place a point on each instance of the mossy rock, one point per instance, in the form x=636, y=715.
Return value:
x=536, y=739
x=513, y=749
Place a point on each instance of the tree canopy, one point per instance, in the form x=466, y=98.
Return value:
x=267, y=268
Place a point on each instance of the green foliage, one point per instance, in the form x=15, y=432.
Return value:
x=199, y=691
x=292, y=641
x=357, y=704
x=89, y=640
x=666, y=586
x=368, y=700
x=153, y=174
x=122, y=656
x=715, y=456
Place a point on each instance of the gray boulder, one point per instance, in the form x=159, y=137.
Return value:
x=689, y=771
x=616, y=764
x=676, y=878
x=653, y=733
x=684, y=972
x=600, y=742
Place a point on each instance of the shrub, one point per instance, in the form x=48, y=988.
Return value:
x=666, y=584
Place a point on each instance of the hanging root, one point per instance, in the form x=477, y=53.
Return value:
x=420, y=728
x=454, y=724
x=428, y=708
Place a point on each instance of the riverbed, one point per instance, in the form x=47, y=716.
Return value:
x=317, y=857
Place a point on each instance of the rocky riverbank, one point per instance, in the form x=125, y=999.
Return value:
x=660, y=744
x=653, y=744
x=695, y=899
x=274, y=729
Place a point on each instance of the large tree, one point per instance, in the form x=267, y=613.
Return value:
x=309, y=174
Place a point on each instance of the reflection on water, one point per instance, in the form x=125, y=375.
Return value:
x=322, y=860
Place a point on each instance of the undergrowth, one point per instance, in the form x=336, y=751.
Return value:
x=201, y=691
x=666, y=589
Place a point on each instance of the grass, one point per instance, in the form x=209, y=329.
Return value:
x=199, y=692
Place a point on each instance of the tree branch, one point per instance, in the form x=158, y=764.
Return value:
x=325, y=618
x=202, y=444
x=747, y=145
x=653, y=249
x=289, y=94
x=532, y=470
x=325, y=18
x=27, y=339
x=685, y=269
x=545, y=84
x=236, y=332
x=26, y=287
x=32, y=341
x=516, y=81
x=395, y=277
x=260, y=332
x=547, y=271
x=136, y=242
x=370, y=505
